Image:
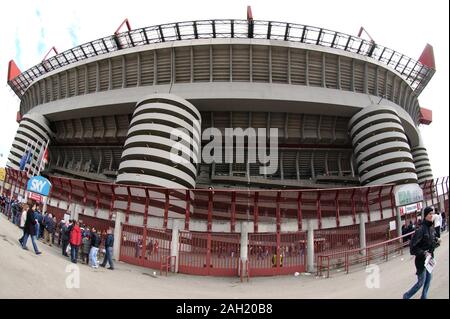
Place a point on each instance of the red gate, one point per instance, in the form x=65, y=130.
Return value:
x=215, y=254
x=276, y=253
x=152, y=253
x=157, y=247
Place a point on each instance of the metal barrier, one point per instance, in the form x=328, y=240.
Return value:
x=362, y=255
x=208, y=253
x=379, y=231
x=144, y=247
x=336, y=239
x=277, y=253
x=168, y=263
x=101, y=225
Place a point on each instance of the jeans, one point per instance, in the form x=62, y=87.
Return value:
x=93, y=256
x=108, y=257
x=74, y=253
x=23, y=236
x=33, y=240
x=423, y=279
x=38, y=231
x=64, y=247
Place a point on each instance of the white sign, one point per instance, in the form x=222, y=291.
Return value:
x=66, y=217
x=408, y=194
x=411, y=208
x=392, y=225
x=430, y=262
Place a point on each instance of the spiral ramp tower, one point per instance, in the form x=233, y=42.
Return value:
x=422, y=163
x=381, y=149
x=163, y=144
x=32, y=134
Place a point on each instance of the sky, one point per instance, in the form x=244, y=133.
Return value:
x=29, y=28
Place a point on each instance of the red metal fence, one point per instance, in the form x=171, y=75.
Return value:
x=379, y=231
x=211, y=253
x=276, y=253
x=145, y=247
x=375, y=252
x=273, y=206
x=208, y=253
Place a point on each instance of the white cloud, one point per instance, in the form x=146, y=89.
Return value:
x=401, y=25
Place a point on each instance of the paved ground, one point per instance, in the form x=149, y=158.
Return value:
x=26, y=275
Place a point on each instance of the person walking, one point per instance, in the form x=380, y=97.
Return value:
x=65, y=236
x=49, y=228
x=437, y=223
x=54, y=230
x=75, y=241
x=86, y=247
x=95, y=244
x=109, y=243
x=60, y=227
x=23, y=219
x=30, y=230
x=422, y=245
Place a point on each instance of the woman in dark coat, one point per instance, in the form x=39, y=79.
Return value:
x=30, y=229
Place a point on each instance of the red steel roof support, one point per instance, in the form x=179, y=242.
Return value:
x=113, y=199
x=97, y=200
x=187, y=214
x=380, y=205
x=367, y=204
x=336, y=202
x=166, y=209
x=391, y=193
x=319, y=210
x=127, y=213
x=278, y=211
x=299, y=211
x=353, y=206
x=255, y=212
x=233, y=212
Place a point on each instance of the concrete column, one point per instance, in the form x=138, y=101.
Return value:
x=399, y=222
x=120, y=218
x=44, y=204
x=244, y=241
x=73, y=211
x=362, y=233
x=177, y=224
x=310, y=247
x=244, y=244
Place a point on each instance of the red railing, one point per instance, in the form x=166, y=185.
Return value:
x=362, y=255
x=259, y=206
x=168, y=264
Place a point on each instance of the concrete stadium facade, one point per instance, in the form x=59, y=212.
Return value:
x=346, y=111
x=308, y=92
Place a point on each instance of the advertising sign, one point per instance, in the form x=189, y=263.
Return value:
x=39, y=185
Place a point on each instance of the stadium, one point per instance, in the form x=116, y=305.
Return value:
x=348, y=155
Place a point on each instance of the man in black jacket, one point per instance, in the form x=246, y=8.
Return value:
x=95, y=244
x=109, y=243
x=422, y=244
x=30, y=230
x=65, y=236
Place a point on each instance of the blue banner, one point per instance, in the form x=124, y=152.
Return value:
x=39, y=185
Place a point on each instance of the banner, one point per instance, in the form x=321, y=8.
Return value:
x=408, y=194
x=2, y=173
x=39, y=185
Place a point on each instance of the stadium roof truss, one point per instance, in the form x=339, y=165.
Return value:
x=416, y=74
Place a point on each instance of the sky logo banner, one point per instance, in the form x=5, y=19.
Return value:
x=39, y=185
